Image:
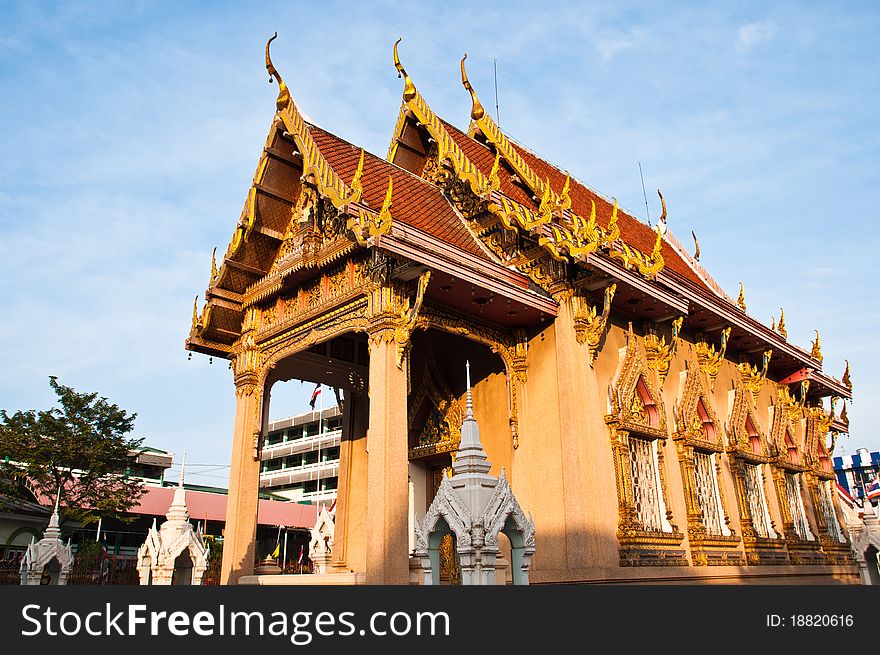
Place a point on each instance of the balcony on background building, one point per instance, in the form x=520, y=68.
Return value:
x=302, y=473
x=304, y=444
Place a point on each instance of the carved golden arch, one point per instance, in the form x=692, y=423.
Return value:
x=745, y=437
x=442, y=430
x=635, y=401
x=637, y=411
x=699, y=435
x=785, y=435
x=510, y=345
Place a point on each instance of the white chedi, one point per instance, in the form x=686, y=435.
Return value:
x=49, y=556
x=475, y=507
x=174, y=553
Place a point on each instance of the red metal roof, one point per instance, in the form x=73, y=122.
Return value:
x=203, y=504
x=155, y=501
x=415, y=201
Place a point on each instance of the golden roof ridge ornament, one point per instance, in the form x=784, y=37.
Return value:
x=283, y=93
x=367, y=223
x=326, y=180
x=483, y=121
x=741, y=300
x=409, y=89
x=356, y=186
x=816, y=351
x=661, y=223
x=477, y=111
x=447, y=149
x=780, y=327
x=696, y=246
x=845, y=379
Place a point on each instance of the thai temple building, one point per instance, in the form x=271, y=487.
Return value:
x=649, y=427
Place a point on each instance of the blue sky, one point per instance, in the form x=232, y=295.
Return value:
x=131, y=132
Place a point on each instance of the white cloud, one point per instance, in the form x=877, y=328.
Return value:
x=751, y=35
x=609, y=47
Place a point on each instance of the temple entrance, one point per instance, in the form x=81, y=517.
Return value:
x=183, y=569
x=52, y=572
x=436, y=409
x=873, y=565
x=450, y=567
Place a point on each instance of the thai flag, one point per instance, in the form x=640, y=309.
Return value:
x=315, y=394
x=872, y=491
x=300, y=559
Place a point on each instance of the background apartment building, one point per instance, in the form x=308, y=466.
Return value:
x=300, y=458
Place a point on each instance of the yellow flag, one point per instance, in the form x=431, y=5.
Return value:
x=277, y=551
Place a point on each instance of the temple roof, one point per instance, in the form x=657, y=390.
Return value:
x=388, y=204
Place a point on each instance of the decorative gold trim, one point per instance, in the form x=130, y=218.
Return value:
x=710, y=360
x=408, y=320
x=741, y=300
x=753, y=378
x=648, y=265
x=589, y=324
x=658, y=353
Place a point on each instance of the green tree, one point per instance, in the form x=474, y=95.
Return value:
x=80, y=448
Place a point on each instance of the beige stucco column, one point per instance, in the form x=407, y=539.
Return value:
x=387, y=487
x=575, y=407
x=350, y=544
x=590, y=518
x=240, y=532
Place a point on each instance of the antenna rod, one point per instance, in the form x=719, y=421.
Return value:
x=644, y=194
x=495, y=68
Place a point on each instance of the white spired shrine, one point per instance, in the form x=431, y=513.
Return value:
x=48, y=561
x=475, y=508
x=175, y=554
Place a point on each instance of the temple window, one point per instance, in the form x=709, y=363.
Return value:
x=708, y=495
x=757, y=501
x=831, y=523
x=646, y=483
x=796, y=506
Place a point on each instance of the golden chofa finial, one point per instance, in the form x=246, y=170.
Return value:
x=662, y=221
x=409, y=89
x=356, y=185
x=780, y=328
x=845, y=379
x=283, y=94
x=741, y=301
x=195, y=319
x=477, y=111
x=696, y=246
x=214, y=264
x=816, y=352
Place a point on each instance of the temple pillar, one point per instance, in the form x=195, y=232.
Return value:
x=577, y=400
x=350, y=543
x=387, y=464
x=239, y=535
